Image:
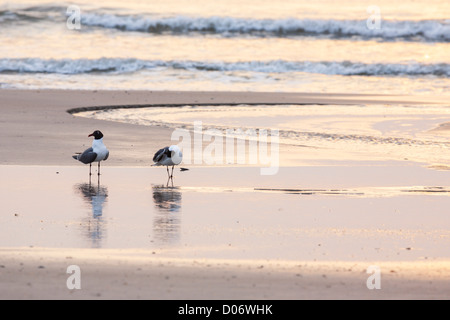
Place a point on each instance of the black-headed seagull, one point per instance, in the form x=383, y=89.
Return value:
x=98, y=152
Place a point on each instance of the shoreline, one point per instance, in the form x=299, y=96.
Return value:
x=36, y=127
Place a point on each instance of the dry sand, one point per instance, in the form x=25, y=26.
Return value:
x=38, y=136
x=135, y=274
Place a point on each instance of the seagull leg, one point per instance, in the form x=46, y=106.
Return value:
x=90, y=168
x=99, y=168
x=171, y=176
x=168, y=176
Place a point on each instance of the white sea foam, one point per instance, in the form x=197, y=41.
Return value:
x=121, y=66
x=434, y=30
x=429, y=30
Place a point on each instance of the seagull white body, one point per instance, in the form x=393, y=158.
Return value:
x=100, y=149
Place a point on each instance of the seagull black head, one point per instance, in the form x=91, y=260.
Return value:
x=97, y=134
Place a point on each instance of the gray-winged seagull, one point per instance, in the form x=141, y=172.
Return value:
x=98, y=152
x=168, y=156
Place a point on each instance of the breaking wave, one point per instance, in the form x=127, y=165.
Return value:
x=422, y=30
x=432, y=30
x=123, y=65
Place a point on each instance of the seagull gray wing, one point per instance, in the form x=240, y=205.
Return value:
x=159, y=155
x=88, y=156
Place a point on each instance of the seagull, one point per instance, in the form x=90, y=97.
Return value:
x=98, y=152
x=168, y=156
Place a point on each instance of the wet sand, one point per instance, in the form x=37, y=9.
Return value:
x=36, y=128
x=309, y=232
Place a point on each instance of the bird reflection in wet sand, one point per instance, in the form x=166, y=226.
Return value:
x=95, y=197
x=167, y=222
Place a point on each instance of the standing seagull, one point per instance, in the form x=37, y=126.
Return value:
x=168, y=156
x=97, y=153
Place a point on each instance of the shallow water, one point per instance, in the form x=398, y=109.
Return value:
x=344, y=132
x=324, y=213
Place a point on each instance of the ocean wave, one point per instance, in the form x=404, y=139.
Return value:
x=431, y=30
x=10, y=16
x=121, y=66
x=423, y=30
x=33, y=14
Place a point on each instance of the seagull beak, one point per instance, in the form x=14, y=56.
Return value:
x=91, y=135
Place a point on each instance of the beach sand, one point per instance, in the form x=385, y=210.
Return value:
x=223, y=232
